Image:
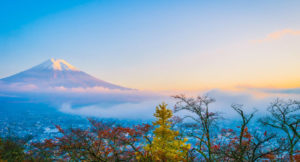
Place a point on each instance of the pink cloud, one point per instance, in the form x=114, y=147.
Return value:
x=95, y=89
x=278, y=35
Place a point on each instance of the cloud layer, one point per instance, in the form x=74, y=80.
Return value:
x=139, y=111
x=144, y=110
x=133, y=104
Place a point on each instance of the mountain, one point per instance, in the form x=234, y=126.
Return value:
x=58, y=73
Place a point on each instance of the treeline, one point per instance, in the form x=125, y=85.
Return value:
x=169, y=138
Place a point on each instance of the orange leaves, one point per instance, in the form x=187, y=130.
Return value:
x=102, y=142
x=247, y=134
x=270, y=156
x=297, y=155
x=59, y=129
x=49, y=143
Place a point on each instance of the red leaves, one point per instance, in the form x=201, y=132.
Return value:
x=270, y=156
x=216, y=147
x=297, y=156
x=230, y=130
x=102, y=142
x=49, y=143
x=265, y=134
x=59, y=129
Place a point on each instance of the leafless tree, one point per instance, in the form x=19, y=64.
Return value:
x=242, y=145
x=204, y=119
x=285, y=116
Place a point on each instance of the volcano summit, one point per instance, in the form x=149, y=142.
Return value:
x=57, y=73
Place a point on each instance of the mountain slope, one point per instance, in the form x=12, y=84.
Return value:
x=58, y=73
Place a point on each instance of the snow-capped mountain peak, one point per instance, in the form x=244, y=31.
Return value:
x=56, y=64
x=58, y=73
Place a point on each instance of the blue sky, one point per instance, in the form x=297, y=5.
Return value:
x=158, y=44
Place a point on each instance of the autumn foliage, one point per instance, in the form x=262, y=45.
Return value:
x=102, y=142
x=165, y=145
x=170, y=138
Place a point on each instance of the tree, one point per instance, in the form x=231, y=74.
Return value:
x=165, y=145
x=285, y=116
x=241, y=145
x=12, y=149
x=102, y=142
x=205, y=121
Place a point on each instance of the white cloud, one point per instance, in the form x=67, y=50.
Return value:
x=144, y=110
x=140, y=111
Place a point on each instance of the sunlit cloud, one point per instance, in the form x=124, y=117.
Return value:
x=278, y=91
x=76, y=95
x=278, y=35
x=96, y=89
x=17, y=87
